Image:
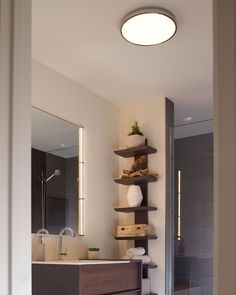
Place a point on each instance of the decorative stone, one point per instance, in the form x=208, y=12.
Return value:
x=140, y=163
x=134, y=196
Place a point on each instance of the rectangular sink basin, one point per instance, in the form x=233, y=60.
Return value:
x=80, y=262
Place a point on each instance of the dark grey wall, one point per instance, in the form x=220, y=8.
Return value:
x=61, y=191
x=38, y=161
x=71, y=191
x=56, y=200
x=194, y=157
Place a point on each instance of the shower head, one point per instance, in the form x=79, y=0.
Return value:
x=57, y=172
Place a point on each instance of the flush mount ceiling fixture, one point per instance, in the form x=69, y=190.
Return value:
x=148, y=26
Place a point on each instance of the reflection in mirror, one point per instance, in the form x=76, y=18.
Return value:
x=56, y=164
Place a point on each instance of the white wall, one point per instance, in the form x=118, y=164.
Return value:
x=151, y=118
x=225, y=147
x=15, y=244
x=225, y=114
x=60, y=96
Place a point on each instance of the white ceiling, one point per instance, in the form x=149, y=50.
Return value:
x=81, y=40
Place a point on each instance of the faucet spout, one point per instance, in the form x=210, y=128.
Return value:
x=67, y=229
x=64, y=230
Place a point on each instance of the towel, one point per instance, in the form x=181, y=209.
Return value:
x=145, y=258
x=146, y=289
x=135, y=251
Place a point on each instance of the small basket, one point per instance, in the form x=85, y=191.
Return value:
x=140, y=230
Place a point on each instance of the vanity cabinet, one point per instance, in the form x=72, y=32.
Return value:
x=91, y=279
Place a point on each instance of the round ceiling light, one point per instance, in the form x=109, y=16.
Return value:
x=148, y=26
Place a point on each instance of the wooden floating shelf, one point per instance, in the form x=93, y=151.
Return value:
x=149, y=266
x=136, y=238
x=140, y=212
x=136, y=291
x=136, y=151
x=135, y=209
x=136, y=180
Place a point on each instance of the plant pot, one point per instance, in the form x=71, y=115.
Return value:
x=93, y=254
x=134, y=140
x=134, y=196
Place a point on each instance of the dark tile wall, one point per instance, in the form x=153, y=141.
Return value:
x=71, y=191
x=61, y=191
x=194, y=157
x=38, y=160
x=56, y=200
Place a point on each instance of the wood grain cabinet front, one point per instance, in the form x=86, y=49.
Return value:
x=93, y=279
x=48, y=279
x=135, y=292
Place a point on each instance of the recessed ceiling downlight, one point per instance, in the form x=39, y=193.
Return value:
x=148, y=26
x=188, y=119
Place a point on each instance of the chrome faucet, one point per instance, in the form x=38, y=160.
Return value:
x=42, y=231
x=65, y=229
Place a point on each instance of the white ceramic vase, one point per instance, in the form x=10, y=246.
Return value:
x=134, y=140
x=134, y=196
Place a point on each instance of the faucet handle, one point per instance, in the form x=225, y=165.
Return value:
x=42, y=231
x=64, y=253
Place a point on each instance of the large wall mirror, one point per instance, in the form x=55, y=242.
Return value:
x=57, y=174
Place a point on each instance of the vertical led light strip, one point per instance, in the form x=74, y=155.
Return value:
x=179, y=205
x=81, y=182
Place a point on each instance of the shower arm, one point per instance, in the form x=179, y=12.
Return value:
x=44, y=180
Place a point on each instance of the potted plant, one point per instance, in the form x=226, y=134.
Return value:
x=135, y=138
x=93, y=253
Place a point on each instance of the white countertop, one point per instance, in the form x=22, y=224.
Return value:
x=80, y=262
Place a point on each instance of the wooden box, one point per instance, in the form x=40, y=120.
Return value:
x=140, y=230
